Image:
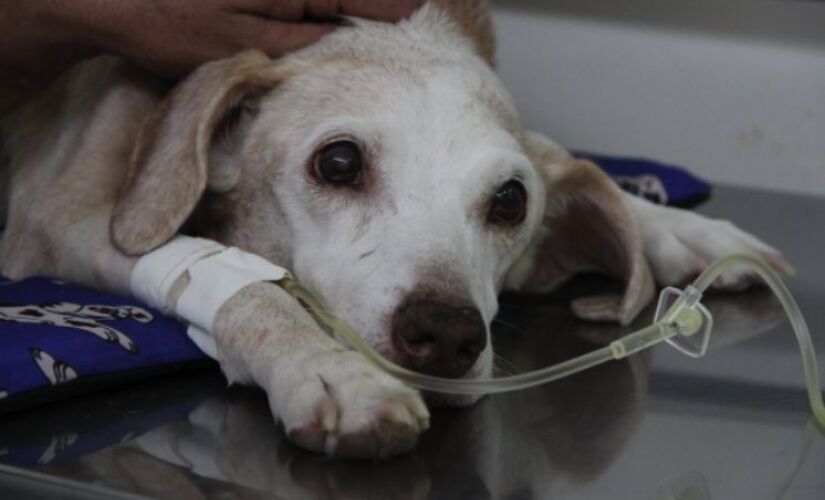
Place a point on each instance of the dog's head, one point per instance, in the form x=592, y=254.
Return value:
x=387, y=168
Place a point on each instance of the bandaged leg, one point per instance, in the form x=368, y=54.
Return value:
x=215, y=272
x=328, y=398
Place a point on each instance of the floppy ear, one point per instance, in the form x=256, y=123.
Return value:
x=587, y=226
x=169, y=164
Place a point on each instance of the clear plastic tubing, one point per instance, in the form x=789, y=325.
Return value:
x=800, y=328
x=681, y=319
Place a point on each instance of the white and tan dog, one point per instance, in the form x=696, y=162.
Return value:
x=385, y=166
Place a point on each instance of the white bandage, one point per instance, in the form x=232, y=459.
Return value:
x=216, y=273
x=156, y=272
x=216, y=278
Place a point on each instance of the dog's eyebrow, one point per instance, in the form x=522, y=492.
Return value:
x=509, y=162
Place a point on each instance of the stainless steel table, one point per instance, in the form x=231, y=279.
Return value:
x=732, y=425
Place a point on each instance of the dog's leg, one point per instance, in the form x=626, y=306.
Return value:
x=329, y=398
x=680, y=244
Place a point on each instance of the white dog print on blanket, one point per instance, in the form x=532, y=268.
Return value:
x=56, y=371
x=86, y=318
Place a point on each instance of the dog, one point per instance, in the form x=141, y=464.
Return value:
x=385, y=166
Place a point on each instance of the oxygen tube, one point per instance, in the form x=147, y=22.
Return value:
x=680, y=320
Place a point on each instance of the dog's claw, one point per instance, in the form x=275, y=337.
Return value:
x=420, y=411
x=329, y=415
x=396, y=413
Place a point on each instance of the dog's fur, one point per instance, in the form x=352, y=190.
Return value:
x=111, y=164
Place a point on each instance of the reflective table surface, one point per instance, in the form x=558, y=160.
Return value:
x=732, y=425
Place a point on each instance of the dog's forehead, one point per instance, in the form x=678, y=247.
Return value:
x=455, y=115
x=424, y=65
x=434, y=91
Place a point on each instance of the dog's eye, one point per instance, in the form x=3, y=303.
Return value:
x=339, y=163
x=509, y=204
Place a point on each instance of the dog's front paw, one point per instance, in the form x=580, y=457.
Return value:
x=680, y=245
x=345, y=407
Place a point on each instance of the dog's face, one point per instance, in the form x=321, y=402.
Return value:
x=401, y=200
x=386, y=167
x=398, y=192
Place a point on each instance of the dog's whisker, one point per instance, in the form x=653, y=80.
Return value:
x=503, y=366
x=510, y=326
x=499, y=371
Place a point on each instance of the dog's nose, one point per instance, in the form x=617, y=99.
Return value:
x=439, y=339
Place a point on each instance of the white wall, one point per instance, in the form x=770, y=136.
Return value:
x=733, y=89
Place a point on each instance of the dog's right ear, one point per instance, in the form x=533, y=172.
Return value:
x=169, y=165
x=588, y=226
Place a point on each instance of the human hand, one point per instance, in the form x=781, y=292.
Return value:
x=173, y=37
x=39, y=40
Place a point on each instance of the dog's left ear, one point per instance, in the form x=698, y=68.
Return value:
x=587, y=226
x=170, y=165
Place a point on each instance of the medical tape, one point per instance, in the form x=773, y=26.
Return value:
x=216, y=273
x=215, y=279
x=156, y=272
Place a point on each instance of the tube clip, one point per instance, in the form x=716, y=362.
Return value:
x=690, y=318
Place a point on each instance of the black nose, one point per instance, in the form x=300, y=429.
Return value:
x=438, y=339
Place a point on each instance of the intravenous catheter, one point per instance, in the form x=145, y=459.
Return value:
x=680, y=320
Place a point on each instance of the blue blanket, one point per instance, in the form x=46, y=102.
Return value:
x=658, y=182
x=57, y=340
